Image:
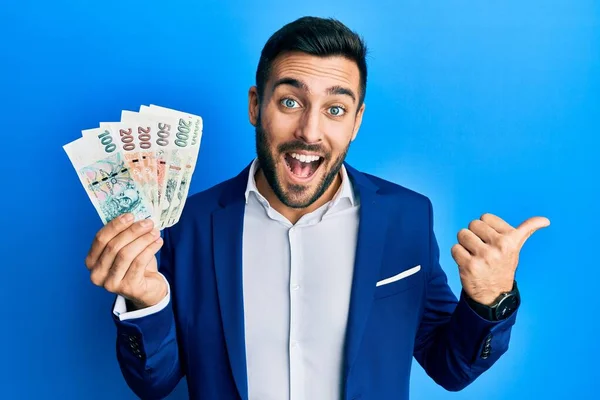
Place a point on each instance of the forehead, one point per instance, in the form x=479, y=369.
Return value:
x=317, y=72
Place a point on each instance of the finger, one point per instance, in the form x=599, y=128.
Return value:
x=135, y=273
x=470, y=241
x=485, y=232
x=499, y=225
x=112, y=248
x=460, y=255
x=126, y=256
x=105, y=235
x=528, y=227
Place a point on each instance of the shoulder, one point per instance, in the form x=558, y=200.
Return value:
x=208, y=199
x=395, y=193
x=212, y=198
x=199, y=207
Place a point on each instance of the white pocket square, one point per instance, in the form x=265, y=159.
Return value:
x=401, y=275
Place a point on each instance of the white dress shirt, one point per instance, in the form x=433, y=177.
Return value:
x=296, y=288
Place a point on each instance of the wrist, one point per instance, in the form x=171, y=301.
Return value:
x=138, y=304
x=489, y=298
x=500, y=308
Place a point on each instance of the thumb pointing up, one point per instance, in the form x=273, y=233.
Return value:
x=528, y=227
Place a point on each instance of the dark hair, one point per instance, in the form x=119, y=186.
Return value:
x=318, y=37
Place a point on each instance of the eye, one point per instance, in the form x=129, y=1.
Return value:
x=337, y=111
x=288, y=103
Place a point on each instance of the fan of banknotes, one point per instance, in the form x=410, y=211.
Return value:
x=142, y=164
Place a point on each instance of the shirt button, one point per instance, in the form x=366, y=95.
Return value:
x=294, y=343
x=296, y=287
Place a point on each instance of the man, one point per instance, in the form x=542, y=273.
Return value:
x=303, y=278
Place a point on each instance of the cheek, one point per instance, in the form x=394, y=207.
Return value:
x=339, y=134
x=279, y=126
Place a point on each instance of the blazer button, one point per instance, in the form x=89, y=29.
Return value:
x=487, y=349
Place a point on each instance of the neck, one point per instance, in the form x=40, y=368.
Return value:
x=294, y=214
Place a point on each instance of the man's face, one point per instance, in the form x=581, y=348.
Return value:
x=308, y=117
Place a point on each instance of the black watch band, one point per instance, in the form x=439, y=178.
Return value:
x=504, y=306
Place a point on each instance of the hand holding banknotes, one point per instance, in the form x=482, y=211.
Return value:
x=137, y=173
x=122, y=260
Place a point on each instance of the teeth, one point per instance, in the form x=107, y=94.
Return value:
x=304, y=158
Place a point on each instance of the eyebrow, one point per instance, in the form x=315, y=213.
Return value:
x=342, y=90
x=302, y=86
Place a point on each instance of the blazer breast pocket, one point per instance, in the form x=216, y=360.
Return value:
x=399, y=282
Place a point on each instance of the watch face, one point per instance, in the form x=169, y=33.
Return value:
x=506, y=307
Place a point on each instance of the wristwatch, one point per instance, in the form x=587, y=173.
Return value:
x=502, y=308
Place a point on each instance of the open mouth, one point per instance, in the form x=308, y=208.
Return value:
x=302, y=166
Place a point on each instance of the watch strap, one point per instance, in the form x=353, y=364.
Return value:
x=489, y=312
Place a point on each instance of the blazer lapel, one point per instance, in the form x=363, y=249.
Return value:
x=372, y=231
x=227, y=230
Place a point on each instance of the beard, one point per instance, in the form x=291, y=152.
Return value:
x=295, y=195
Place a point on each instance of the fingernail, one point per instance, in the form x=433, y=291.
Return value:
x=145, y=223
x=125, y=218
x=154, y=232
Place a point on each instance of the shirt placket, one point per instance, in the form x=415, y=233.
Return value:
x=295, y=346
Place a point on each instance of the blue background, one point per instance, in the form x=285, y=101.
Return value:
x=484, y=106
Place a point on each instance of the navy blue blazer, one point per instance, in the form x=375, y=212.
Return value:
x=200, y=334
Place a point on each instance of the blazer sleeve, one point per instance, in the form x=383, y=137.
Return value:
x=148, y=352
x=451, y=336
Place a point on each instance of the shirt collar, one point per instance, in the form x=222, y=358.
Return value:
x=344, y=192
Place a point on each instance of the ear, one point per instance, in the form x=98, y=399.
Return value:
x=358, y=121
x=253, y=105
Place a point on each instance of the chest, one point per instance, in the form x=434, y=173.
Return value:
x=319, y=256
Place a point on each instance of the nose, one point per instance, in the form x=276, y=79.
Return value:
x=309, y=129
